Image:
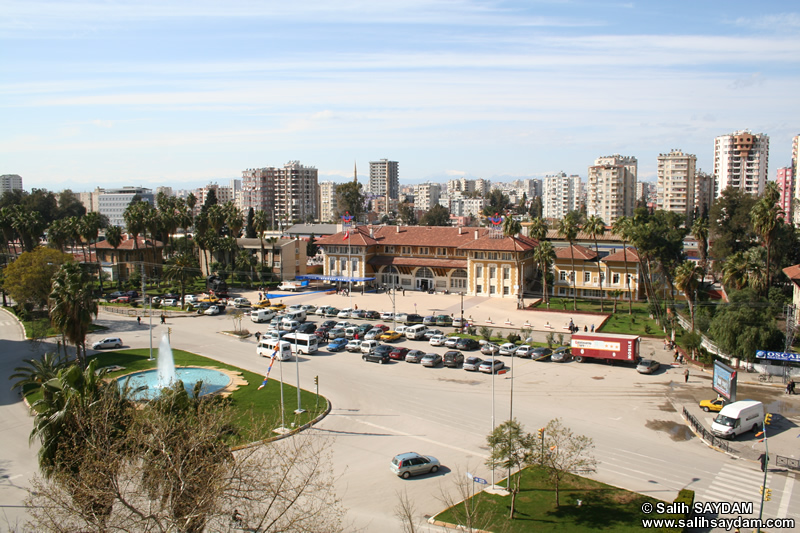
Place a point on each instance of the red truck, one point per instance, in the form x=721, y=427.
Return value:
x=607, y=346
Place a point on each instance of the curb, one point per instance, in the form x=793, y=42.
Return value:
x=288, y=434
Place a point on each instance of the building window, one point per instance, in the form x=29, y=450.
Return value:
x=506, y=291
x=333, y=264
x=492, y=272
x=479, y=289
x=562, y=275
x=587, y=277
x=389, y=249
x=423, y=251
x=343, y=264
x=506, y=272
x=405, y=250
x=492, y=256
x=506, y=257
x=478, y=271
x=492, y=289
x=355, y=265
x=615, y=279
x=442, y=251
x=478, y=255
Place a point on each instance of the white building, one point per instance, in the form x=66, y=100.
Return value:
x=740, y=161
x=676, y=182
x=611, y=190
x=427, y=196
x=384, y=178
x=703, y=192
x=560, y=195
x=10, y=182
x=327, y=201
x=289, y=193
x=113, y=202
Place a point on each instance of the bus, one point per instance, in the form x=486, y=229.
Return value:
x=306, y=343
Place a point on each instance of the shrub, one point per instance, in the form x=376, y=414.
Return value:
x=513, y=337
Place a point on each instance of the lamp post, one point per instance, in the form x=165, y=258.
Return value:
x=462, y=310
x=144, y=296
x=765, y=492
x=297, y=366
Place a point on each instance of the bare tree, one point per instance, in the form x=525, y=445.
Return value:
x=564, y=453
x=406, y=512
x=465, y=506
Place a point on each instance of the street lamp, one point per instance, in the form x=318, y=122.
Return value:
x=299, y=409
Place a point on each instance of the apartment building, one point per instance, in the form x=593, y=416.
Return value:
x=113, y=202
x=223, y=193
x=289, y=193
x=384, y=178
x=785, y=180
x=611, y=190
x=560, y=195
x=426, y=196
x=675, y=183
x=470, y=260
x=10, y=182
x=703, y=192
x=327, y=201
x=741, y=161
x=795, y=174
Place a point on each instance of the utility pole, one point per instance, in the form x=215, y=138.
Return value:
x=144, y=296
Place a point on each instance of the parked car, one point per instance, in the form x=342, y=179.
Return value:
x=412, y=319
x=369, y=345
x=399, y=353
x=359, y=314
x=344, y=324
x=437, y=340
x=387, y=315
x=213, y=310
x=337, y=345
x=431, y=359
x=132, y=294
x=321, y=331
x=384, y=327
x=121, y=300
x=431, y=332
x=472, y=363
x=345, y=313
x=382, y=349
x=332, y=312
x=376, y=357
x=444, y=321
x=453, y=358
x=451, y=342
x=459, y=322
x=400, y=317
x=307, y=327
x=295, y=307
x=541, y=353
x=116, y=294
x=410, y=464
x=363, y=329
x=390, y=336
x=507, y=349
x=414, y=356
x=190, y=299
x=372, y=315
x=308, y=308
x=524, y=351
x=241, y=302
x=321, y=311
x=401, y=329
x=490, y=366
x=170, y=302
x=329, y=324
x=373, y=334
x=336, y=333
x=354, y=345
x=647, y=366
x=465, y=343
x=429, y=320
x=490, y=348
x=108, y=342
x=561, y=355
x=715, y=405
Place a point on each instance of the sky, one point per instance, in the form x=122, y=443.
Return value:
x=183, y=93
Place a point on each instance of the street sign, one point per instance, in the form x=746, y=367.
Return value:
x=469, y=475
x=480, y=480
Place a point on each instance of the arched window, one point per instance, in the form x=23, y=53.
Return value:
x=424, y=272
x=390, y=276
x=458, y=279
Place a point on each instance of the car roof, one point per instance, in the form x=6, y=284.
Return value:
x=407, y=455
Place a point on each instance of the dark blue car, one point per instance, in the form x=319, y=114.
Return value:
x=337, y=345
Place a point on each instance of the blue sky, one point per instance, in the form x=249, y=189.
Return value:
x=109, y=93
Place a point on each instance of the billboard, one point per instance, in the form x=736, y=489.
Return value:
x=778, y=356
x=724, y=381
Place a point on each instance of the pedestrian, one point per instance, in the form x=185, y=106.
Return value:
x=792, y=390
x=592, y=328
x=404, y=291
x=258, y=336
x=763, y=460
x=677, y=356
x=163, y=318
x=585, y=329
x=355, y=307
x=686, y=376
x=139, y=320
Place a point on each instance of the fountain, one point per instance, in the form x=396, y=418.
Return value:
x=147, y=385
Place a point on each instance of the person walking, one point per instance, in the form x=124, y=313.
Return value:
x=163, y=318
x=139, y=320
x=686, y=376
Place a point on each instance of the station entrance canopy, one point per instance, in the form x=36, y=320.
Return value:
x=345, y=279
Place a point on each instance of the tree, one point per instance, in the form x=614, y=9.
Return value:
x=437, y=215
x=498, y=203
x=744, y=325
x=486, y=332
x=37, y=372
x=460, y=501
x=766, y=217
x=511, y=449
x=29, y=225
x=260, y=225
x=687, y=282
x=311, y=247
x=536, y=208
x=623, y=227
x=544, y=255
x=179, y=267
x=700, y=233
x=568, y=229
x=595, y=227
x=731, y=225
x=90, y=227
x=72, y=306
x=538, y=229
x=28, y=279
x=69, y=205
x=249, y=228
x=405, y=212
x=511, y=229
x=563, y=453
x=211, y=199
x=350, y=199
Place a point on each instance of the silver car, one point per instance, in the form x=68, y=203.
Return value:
x=109, y=342
x=410, y=464
x=472, y=364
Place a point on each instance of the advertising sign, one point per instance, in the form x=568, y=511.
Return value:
x=779, y=356
x=724, y=381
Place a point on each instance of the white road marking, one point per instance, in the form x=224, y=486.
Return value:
x=783, y=509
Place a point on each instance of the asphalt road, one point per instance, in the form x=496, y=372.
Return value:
x=380, y=410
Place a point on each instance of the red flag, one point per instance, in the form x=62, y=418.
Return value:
x=346, y=235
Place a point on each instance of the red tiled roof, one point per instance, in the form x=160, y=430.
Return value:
x=431, y=236
x=127, y=244
x=553, y=235
x=792, y=272
x=358, y=236
x=414, y=262
x=580, y=252
x=619, y=256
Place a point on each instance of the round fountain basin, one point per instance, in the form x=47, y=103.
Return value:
x=143, y=384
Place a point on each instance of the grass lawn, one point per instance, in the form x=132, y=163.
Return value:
x=40, y=327
x=252, y=407
x=639, y=323
x=603, y=507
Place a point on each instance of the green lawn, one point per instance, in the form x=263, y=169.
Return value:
x=252, y=407
x=639, y=323
x=603, y=507
x=40, y=327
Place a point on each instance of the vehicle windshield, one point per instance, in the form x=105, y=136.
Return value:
x=725, y=420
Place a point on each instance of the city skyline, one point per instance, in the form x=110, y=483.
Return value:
x=184, y=94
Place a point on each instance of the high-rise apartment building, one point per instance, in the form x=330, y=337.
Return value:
x=560, y=195
x=740, y=161
x=675, y=183
x=289, y=193
x=611, y=190
x=113, y=202
x=327, y=201
x=10, y=182
x=703, y=193
x=796, y=175
x=384, y=178
x=427, y=196
x=785, y=181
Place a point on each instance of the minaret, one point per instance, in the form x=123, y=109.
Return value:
x=355, y=173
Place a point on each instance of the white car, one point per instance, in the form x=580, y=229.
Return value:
x=354, y=345
x=108, y=342
x=524, y=351
x=190, y=299
x=432, y=332
x=213, y=310
x=368, y=346
x=401, y=329
x=170, y=302
x=438, y=340
x=295, y=307
x=387, y=315
x=345, y=313
x=507, y=349
x=344, y=324
x=451, y=342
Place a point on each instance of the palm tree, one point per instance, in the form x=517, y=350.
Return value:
x=114, y=238
x=765, y=218
x=260, y=225
x=38, y=371
x=134, y=222
x=178, y=268
x=58, y=233
x=623, y=227
x=700, y=233
x=7, y=228
x=512, y=228
x=734, y=271
x=568, y=229
x=245, y=261
x=272, y=241
x=687, y=282
x=544, y=255
x=596, y=227
x=538, y=229
x=28, y=225
x=72, y=306
x=90, y=226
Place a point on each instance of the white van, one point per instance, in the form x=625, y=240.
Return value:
x=737, y=418
x=262, y=315
x=298, y=315
x=305, y=343
x=289, y=325
x=266, y=347
x=416, y=331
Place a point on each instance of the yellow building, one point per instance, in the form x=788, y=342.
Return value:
x=613, y=270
